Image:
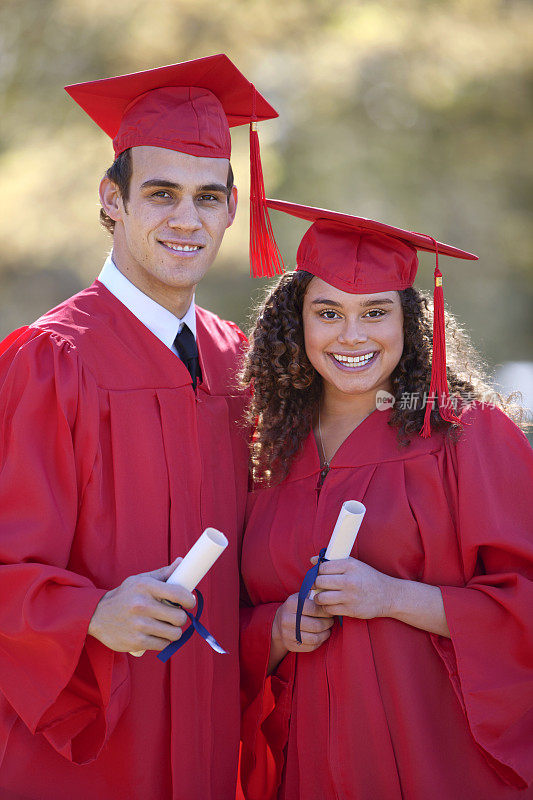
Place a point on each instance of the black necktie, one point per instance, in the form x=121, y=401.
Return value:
x=185, y=344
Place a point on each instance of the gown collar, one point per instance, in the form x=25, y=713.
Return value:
x=159, y=320
x=372, y=442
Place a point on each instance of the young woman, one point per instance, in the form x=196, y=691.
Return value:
x=426, y=688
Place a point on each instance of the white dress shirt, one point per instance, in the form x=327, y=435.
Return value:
x=160, y=321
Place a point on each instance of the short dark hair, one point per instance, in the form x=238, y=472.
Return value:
x=120, y=173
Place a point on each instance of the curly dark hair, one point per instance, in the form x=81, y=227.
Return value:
x=287, y=388
x=120, y=173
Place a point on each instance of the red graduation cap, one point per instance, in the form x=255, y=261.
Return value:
x=363, y=256
x=189, y=107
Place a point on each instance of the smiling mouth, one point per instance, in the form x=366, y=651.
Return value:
x=354, y=361
x=182, y=248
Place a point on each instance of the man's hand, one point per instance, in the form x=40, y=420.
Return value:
x=132, y=616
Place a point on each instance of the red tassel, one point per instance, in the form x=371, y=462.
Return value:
x=438, y=388
x=265, y=258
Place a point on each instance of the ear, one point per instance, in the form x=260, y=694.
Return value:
x=232, y=206
x=111, y=199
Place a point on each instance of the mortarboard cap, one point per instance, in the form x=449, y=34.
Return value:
x=189, y=107
x=363, y=256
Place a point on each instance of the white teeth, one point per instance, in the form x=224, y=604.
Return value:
x=353, y=361
x=183, y=248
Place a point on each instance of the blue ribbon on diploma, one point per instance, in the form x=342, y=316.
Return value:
x=303, y=594
x=195, y=625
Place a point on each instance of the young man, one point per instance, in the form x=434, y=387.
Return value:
x=120, y=443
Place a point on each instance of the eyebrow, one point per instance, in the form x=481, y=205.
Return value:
x=322, y=301
x=161, y=183
x=380, y=301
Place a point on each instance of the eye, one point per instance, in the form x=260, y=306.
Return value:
x=210, y=198
x=161, y=194
x=329, y=313
x=375, y=313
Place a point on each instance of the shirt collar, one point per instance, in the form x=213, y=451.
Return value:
x=159, y=320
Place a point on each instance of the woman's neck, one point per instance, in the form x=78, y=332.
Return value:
x=339, y=416
x=336, y=407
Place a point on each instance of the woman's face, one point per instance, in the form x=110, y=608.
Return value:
x=354, y=341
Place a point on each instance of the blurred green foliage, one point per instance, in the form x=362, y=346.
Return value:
x=416, y=112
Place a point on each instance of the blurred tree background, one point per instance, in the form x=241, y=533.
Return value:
x=415, y=112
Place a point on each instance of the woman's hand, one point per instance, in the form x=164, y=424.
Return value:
x=351, y=588
x=315, y=627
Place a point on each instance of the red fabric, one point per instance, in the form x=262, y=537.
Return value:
x=334, y=221
x=11, y=337
x=186, y=106
x=110, y=466
x=187, y=119
x=383, y=710
x=357, y=262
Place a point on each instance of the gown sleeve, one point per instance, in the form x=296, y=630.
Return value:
x=59, y=681
x=265, y=699
x=490, y=654
x=12, y=337
x=265, y=704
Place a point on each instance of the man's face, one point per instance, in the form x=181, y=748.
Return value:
x=168, y=233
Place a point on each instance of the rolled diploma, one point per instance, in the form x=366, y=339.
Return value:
x=345, y=532
x=197, y=563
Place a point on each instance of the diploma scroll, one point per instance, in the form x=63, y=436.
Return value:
x=340, y=546
x=197, y=563
x=345, y=532
x=199, y=560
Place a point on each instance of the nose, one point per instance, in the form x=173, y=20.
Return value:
x=185, y=216
x=353, y=332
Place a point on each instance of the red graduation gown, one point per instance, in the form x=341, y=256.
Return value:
x=383, y=710
x=111, y=466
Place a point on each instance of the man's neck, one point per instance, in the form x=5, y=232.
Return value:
x=177, y=302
